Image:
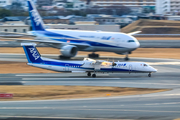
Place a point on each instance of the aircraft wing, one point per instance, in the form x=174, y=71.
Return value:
x=96, y=64
x=133, y=33
x=102, y=63
x=52, y=42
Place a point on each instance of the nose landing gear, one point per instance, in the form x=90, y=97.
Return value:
x=89, y=74
x=93, y=55
x=149, y=75
x=127, y=57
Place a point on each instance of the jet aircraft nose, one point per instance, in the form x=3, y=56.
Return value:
x=137, y=44
x=134, y=43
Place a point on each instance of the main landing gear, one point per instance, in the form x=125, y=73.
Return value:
x=149, y=75
x=93, y=75
x=93, y=55
x=89, y=74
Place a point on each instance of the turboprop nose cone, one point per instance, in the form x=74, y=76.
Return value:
x=153, y=69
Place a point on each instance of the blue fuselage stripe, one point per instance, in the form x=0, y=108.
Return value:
x=78, y=66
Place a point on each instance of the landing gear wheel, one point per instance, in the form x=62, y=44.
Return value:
x=93, y=55
x=149, y=75
x=64, y=58
x=126, y=58
x=89, y=74
x=94, y=75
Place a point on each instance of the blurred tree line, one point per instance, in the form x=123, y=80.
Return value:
x=16, y=9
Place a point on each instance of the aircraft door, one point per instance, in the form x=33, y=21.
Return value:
x=97, y=67
x=67, y=67
x=117, y=41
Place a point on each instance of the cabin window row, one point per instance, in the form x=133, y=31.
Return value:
x=120, y=66
x=75, y=66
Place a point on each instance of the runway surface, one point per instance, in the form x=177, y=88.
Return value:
x=165, y=105
x=157, y=106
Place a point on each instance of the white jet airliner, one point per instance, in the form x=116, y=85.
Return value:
x=87, y=66
x=71, y=41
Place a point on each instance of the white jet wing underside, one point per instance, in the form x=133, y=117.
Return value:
x=58, y=43
x=50, y=40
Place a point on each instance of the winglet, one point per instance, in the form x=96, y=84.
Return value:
x=36, y=20
x=133, y=33
x=32, y=53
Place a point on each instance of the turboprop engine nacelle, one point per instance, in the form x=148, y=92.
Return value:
x=69, y=50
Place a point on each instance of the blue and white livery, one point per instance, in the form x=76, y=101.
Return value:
x=87, y=65
x=71, y=41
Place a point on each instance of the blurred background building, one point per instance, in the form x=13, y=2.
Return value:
x=4, y=3
x=13, y=24
x=80, y=14
x=134, y=5
x=171, y=7
x=41, y=3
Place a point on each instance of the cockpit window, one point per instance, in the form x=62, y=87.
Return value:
x=145, y=65
x=131, y=41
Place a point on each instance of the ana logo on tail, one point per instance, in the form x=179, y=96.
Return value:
x=34, y=53
x=36, y=16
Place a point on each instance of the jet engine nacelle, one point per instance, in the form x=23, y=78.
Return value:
x=69, y=50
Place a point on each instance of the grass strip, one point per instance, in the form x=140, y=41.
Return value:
x=70, y=92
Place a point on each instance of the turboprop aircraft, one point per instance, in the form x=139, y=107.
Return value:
x=88, y=66
x=71, y=41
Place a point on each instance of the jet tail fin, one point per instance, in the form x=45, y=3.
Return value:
x=32, y=53
x=36, y=20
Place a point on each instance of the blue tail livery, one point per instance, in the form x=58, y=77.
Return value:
x=36, y=20
x=32, y=53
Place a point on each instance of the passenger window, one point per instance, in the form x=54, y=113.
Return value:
x=131, y=41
